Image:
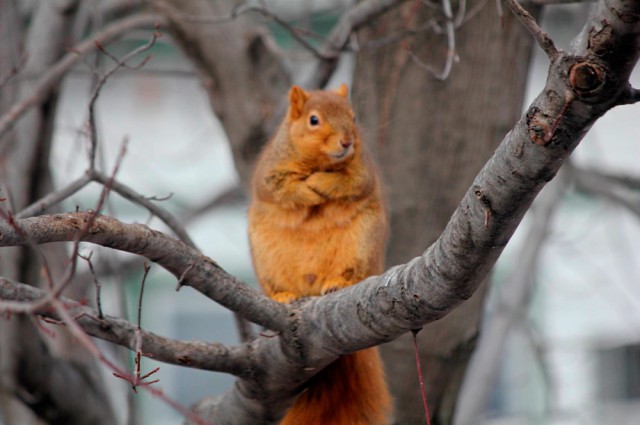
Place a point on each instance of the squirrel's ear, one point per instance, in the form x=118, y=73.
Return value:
x=297, y=99
x=343, y=90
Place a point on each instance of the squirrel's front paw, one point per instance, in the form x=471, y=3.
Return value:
x=320, y=183
x=284, y=297
x=333, y=285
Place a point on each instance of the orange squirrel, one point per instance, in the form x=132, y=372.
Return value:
x=317, y=224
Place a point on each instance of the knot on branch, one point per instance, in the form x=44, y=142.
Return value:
x=586, y=78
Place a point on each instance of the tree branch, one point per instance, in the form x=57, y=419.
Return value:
x=128, y=193
x=184, y=262
x=195, y=354
x=349, y=22
x=43, y=86
x=513, y=301
x=543, y=39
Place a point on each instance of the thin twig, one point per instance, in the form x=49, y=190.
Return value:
x=15, y=70
x=144, y=279
x=41, y=205
x=89, y=345
x=451, y=46
x=420, y=377
x=126, y=192
x=543, y=39
x=43, y=86
x=160, y=198
x=71, y=268
x=349, y=21
x=211, y=356
x=96, y=282
x=102, y=80
x=460, y=15
x=137, y=379
x=241, y=9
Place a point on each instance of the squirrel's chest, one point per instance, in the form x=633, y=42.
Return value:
x=330, y=217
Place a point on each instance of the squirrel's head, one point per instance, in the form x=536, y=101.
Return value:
x=322, y=127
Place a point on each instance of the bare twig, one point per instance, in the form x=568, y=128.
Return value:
x=166, y=251
x=160, y=198
x=133, y=196
x=47, y=82
x=239, y=10
x=212, y=356
x=144, y=278
x=451, y=46
x=460, y=14
x=53, y=198
x=350, y=21
x=420, y=376
x=96, y=282
x=90, y=346
x=126, y=192
x=103, y=79
x=543, y=39
x=15, y=70
x=139, y=380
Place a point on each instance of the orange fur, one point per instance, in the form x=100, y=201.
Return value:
x=317, y=224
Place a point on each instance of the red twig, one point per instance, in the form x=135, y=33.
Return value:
x=418, y=365
x=96, y=283
x=138, y=380
x=87, y=343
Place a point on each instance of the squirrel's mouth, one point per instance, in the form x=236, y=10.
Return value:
x=343, y=153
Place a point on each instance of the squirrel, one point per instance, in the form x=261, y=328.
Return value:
x=317, y=223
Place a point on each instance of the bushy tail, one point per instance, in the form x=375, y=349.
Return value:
x=350, y=391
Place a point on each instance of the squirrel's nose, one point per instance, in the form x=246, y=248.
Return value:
x=345, y=143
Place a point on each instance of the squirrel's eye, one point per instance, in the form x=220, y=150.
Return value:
x=314, y=120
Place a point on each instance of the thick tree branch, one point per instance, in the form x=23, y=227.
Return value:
x=195, y=354
x=186, y=263
x=583, y=84
x=513, y=302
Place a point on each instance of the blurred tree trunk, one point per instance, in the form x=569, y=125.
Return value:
x=411, y=118
x=50, y=376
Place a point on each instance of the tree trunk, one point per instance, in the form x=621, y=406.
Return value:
x=50, y=376
x=411, y=118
